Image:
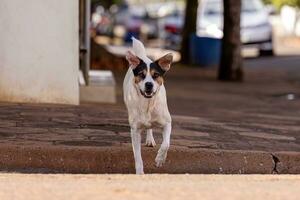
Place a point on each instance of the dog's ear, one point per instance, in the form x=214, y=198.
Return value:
x=165, y=61
x=132, y=59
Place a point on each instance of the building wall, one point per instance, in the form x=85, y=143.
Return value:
x=39, y=58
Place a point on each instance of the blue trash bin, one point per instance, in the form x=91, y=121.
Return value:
x=205, y=51
x=129, y=35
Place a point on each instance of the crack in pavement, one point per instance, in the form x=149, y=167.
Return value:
x=275, y=161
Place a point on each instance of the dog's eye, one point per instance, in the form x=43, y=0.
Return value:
x=142, y=75
x=155, y=75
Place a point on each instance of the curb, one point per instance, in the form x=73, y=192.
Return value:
x=90, y=160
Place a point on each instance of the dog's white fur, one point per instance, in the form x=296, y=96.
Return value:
x=146, y=113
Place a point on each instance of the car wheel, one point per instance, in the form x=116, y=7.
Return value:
x=266, y=49
x=269, y=52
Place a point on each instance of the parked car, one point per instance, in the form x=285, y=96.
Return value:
x=173, y=26
x=256, y=29
x=144, y=20
x=101, y=21
x=136, y=21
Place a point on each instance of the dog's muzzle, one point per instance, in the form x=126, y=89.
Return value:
x=147, y=94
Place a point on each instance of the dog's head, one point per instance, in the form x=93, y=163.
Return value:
x=148, y=75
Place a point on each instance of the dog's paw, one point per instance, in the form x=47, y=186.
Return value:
x=159, y=161
x=150, y=142
x=161, y=155
x=140, y=173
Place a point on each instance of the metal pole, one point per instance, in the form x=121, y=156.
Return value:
x=84, y=26
x=87, y=39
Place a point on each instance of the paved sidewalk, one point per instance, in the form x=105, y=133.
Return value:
x=146, y=187
x=218, y=128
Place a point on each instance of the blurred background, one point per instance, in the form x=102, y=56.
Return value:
x=269, y=34
x=213, y=42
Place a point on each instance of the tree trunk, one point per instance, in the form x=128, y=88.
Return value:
x=189, y=27
x=231, y=59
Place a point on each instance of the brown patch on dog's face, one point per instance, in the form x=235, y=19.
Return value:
x=141, y=75
x=156, y=76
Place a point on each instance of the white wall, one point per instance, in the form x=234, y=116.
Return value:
x=39, y=51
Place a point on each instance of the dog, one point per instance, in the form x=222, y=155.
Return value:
x=146, y=101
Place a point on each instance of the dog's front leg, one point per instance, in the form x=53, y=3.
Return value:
x=150, y=142
x=136, y=146
x=163, y=150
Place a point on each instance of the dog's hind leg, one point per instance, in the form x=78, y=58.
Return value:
x=164, y=147
x=150, y=142
x=136, y=146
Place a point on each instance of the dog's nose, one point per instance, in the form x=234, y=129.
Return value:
x=148, y=86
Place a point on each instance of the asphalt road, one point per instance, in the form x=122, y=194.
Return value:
x=275, y=62
x=288, y=64
x=286, y=48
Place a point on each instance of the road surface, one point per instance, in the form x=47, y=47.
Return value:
x=131, y=187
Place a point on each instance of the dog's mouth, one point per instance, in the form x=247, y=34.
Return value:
x=147, y=94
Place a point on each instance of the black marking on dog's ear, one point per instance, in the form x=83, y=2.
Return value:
x=156, y=67
x=140, y=67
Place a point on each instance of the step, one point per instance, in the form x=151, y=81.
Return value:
x=101, y=88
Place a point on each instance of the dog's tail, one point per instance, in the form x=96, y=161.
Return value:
x=138, y=48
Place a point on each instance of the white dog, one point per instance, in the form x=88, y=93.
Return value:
x=146, y=102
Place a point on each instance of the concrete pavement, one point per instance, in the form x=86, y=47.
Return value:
x=206, y=187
